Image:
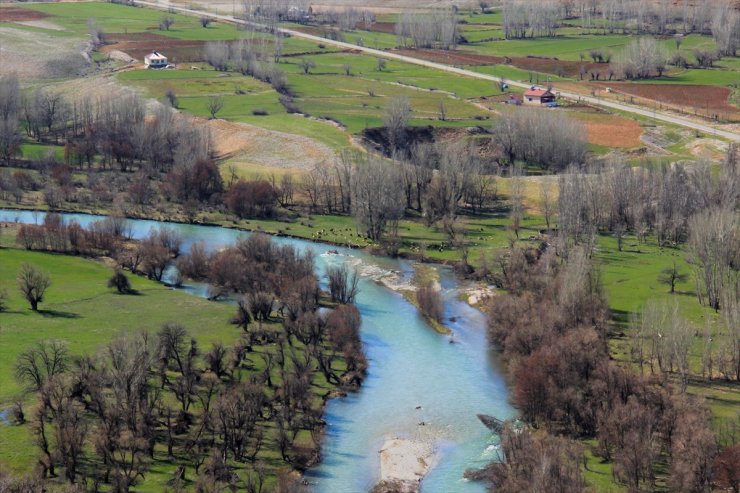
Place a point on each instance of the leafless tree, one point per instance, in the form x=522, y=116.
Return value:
x=306, y=65
x=33, y=284
x=430, y=303
x=547, y=202
x=642, y=58
x=342, y=284
x=522, y=18
x=516, y=200
x=377, y=196
x=36, y=365
x=215, y=104
x=428, y=30
x=714, y=243
x=726, y=28
x=671, y=275
x=396, y=119
x=10, y=105
x=519, y=136
x=165, y=23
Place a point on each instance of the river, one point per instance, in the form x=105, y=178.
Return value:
x=416, y=375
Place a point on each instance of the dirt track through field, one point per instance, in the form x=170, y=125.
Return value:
x=655, y=115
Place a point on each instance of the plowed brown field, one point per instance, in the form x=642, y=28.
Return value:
x=140, y=44
x=707, y=98
x=17, y=14
x=547, y=65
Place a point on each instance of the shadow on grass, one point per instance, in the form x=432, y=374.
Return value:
x=131, y=292
x=620, y=319
x=57, y=314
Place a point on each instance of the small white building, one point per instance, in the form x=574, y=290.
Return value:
x=155, y=60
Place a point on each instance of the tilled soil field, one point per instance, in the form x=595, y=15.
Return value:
x=547, y=65
x=17, y=14
x=140, y=44
x=703, y=98
x=613, y=131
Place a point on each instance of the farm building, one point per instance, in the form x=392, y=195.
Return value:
x=538, y=96
x=155, y=60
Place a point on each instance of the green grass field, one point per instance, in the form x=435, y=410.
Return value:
x=80, y=310
x=82, y=313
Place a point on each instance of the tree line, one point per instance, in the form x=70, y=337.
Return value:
x=523, y=19
x=437, y=29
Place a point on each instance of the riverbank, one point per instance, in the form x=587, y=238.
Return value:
x=278, y=227
x=101, y=315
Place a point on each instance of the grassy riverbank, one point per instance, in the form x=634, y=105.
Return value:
x=82, y=313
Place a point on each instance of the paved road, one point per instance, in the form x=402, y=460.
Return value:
x=655, y=115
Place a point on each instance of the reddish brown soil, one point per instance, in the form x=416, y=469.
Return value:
x=381, y=27
x=547, y=65
x=705, y=98
x=140, y=44
x=614, y=132
x=17, y=14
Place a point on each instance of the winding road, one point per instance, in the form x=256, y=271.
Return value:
x=655, y=115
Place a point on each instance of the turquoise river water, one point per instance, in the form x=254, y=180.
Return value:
x=416, y=375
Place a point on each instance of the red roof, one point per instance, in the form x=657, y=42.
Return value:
x=537, y=93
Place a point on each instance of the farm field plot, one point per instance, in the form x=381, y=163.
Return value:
x=711, y=98
x=611, y=130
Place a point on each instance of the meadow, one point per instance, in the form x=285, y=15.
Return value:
x=82, y=313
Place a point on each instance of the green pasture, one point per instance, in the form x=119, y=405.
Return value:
x=115, y=18
x=83, y=313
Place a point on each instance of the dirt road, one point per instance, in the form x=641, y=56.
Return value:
x=655, y=115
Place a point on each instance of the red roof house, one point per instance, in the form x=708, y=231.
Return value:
x=538, y=96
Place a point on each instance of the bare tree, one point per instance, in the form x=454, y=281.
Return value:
x=35, y=366
x=516, y=199
x=671, y=275
x=215, y=104
x=342, y=284
x=726, y=28
x=436, y=29
x=547, y=202
x=518, y=134
x=306, y=65
x=642, y=58
x=33, y=284
x=165, y=23
x=430, y=303
x=377, y=198
x=714, y=243
x=396, y=119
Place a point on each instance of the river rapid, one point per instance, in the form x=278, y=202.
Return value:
x=420, y=385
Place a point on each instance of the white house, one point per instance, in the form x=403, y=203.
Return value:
x=155, y=60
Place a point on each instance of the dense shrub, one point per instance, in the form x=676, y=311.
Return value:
x=255, y=198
